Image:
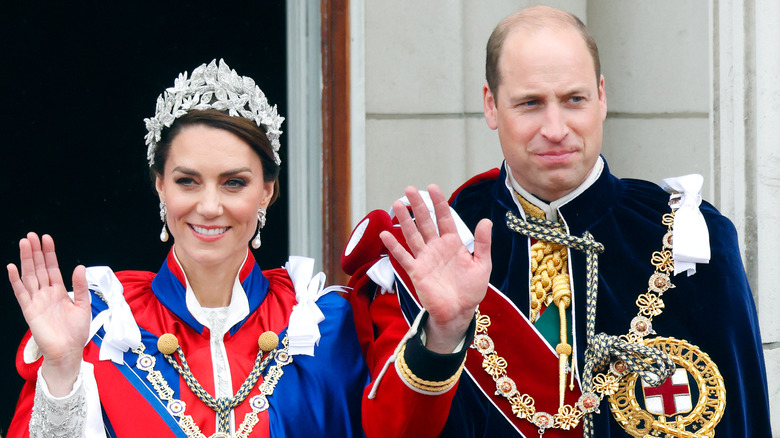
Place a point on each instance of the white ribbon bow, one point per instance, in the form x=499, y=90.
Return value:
x=122, y=332
x=382, y=274
x=303, y=332
x=691, y=237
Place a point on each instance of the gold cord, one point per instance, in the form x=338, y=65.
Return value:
x=550, y=285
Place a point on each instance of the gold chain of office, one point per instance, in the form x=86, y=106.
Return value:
x=630, y=349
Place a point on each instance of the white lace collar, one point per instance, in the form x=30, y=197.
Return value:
x=238, y=309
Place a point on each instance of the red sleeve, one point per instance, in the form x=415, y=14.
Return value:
x=397, y=410
x=20, y=425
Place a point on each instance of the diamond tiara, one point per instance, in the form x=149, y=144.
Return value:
x=213, y=87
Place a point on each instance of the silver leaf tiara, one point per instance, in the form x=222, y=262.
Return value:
x=219, y=88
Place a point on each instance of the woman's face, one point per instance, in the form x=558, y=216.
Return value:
x=212, y=185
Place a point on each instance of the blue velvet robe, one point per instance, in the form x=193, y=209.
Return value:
x=713, y=309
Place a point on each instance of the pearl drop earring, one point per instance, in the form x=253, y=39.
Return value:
x=256, y=242
x=163, y=213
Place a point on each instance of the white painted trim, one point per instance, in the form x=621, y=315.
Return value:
x=767, y=55
x=768, y=166
x=304, y=128
x=728, y=104
x=746, y=126
x=357, y=96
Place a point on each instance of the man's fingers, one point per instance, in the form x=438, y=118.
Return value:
x=397, y=250
x=409, y=227
x=422, y=214
x=482, y=242
x=444, y=218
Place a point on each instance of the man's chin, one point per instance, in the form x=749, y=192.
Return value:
x=557, y=184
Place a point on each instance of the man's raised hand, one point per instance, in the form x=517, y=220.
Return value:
x=449, y=280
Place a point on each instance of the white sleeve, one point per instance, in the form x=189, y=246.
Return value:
x=75, y=415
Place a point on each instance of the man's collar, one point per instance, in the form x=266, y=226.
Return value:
x=551, y=209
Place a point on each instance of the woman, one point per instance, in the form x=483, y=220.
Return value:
x=209, y=346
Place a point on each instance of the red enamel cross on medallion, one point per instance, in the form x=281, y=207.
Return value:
x=670, y=410
x=672, y=397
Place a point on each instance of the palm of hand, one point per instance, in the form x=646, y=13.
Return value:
x=450, y=282
x=59, y=325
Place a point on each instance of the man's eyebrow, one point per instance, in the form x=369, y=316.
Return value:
x=525, y=96
x=576, y=90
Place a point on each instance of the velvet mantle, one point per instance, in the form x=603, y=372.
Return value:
x=713, y=309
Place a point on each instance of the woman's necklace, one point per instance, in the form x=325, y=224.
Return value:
x=167, y=344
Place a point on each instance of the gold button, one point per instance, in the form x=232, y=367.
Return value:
x=268, y=341
x=167, y=344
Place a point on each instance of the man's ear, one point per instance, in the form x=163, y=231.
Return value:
x=602, y=99
x=489, y=106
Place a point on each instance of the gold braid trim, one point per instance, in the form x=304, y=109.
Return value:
x=425, y=385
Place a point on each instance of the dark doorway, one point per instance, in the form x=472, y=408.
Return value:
x=78, y=81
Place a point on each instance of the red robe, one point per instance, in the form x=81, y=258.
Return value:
x=332, y=380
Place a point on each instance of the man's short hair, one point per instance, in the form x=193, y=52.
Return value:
x=533, y=18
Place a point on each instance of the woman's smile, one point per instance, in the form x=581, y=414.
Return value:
x=208, y=233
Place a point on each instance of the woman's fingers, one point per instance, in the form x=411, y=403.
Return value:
x=38, y=260
x=40, y=274
x=20, y=291
x=50, y=259
x=80, y=287
x=27, y=265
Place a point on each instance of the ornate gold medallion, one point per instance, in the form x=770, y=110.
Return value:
x=671, y=406
x=669, y=409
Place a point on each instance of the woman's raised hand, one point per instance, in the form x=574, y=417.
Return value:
x=59, y=325
x=449, y=280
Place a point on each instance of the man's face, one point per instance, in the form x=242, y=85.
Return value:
x=549, y=110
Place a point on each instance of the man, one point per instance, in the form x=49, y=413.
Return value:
x=584, y=311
